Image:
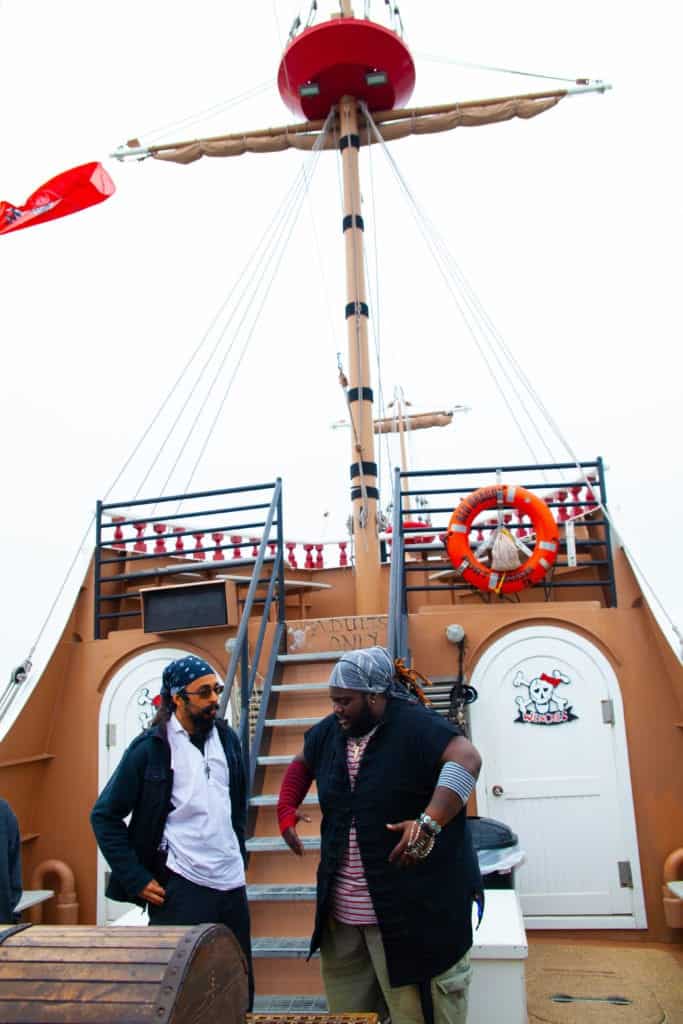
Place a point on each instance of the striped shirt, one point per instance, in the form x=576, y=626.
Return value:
x=351, y=901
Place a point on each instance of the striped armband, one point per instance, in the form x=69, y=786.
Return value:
x=454, y=776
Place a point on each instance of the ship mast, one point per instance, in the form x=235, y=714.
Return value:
x=364, y=492
x=342, y=63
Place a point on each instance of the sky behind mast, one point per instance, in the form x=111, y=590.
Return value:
x=568, y=227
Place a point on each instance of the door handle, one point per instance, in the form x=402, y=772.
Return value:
x=497, y=790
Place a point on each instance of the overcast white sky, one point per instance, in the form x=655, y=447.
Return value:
x=567, y=226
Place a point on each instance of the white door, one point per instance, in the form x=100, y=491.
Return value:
x=549, y=724
x=126, y=710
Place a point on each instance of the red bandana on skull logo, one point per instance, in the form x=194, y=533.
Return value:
x=543, y=705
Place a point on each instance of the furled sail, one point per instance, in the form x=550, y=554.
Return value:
x=396, y=124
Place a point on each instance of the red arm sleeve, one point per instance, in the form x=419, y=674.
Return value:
x=295, y=786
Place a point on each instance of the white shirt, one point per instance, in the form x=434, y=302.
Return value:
x=202, y=845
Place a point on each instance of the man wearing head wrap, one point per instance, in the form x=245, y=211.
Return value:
x=398, y=873
x=182, y=780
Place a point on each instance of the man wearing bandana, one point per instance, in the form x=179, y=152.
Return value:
x=398, y=873
x=183, y=852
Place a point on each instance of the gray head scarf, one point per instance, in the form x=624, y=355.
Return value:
x=370, y=671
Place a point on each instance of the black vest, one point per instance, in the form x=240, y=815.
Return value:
x=424, y=912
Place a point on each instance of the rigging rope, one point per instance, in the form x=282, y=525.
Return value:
x=293, y=217
x=263, y=242
x=473, y=66
x=154, y=419
x=376, y=322
x=208, y=112
x=476, y=308
x=428, y=233
x=268, y=238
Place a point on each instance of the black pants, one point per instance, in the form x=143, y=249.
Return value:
x=188, y=903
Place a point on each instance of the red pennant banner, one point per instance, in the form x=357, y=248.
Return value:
x=69, y=192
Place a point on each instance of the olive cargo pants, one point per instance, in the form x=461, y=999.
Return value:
x=356, y=980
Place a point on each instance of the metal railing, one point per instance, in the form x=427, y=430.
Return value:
x=121, y=560
x=239, y=661
x=267, y=571
x=572, y=500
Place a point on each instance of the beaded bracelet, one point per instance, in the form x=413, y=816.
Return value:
x=421, y=843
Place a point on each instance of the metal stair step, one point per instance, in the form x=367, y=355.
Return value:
x=290, y=1004
x=289, y=723
x=270, y=760
x=299, y=687
x=302, y=659
x=275, y=844
x=281, y=893
x=280, y=946
x=270, y=800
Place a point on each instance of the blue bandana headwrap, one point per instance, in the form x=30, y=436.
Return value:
x=370, y=671
x=183, y=671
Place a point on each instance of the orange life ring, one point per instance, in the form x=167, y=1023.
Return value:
x=530, y=571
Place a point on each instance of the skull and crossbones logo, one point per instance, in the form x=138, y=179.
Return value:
x=542, y=697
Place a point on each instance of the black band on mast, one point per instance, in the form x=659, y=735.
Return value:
x=349, y=140
x=360, y=394
x=349, y=220
x=356, y=309
x=366, y=468
x=371, y=492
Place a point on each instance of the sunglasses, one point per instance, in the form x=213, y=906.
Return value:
x=204, y=692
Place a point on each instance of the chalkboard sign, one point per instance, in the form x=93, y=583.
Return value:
x=195, y=606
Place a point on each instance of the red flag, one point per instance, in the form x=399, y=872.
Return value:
x=69, y=192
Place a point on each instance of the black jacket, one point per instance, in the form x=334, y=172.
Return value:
x=142, y=784
x=424, y=912
x=10, y=864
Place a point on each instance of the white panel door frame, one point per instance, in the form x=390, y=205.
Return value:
x=625, y=810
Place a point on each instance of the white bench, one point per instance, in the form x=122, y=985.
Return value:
x=32, y=897
x=499, y=953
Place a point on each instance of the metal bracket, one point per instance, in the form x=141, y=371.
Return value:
x=607, y=711
x=625, y=874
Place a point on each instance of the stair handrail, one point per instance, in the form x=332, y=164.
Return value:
x=397, y=638
x=240, y=653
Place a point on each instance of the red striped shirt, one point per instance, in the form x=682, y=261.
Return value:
x=351, y=902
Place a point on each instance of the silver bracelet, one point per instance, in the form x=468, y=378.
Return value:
x=429, y=824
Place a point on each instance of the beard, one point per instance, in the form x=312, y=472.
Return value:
x=363, y=723
x=202, y=722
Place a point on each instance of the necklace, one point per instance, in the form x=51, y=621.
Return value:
x=356, y=749
x=357, y=745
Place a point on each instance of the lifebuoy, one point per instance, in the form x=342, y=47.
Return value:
x=533, y=569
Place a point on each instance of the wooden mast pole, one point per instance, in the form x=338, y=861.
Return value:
x=364, y=492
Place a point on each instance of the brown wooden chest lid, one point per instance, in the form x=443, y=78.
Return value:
x=80, y=974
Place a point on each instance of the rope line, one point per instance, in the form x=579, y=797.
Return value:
x=286, y=234
x=477, y=308
x=473, y=66
x=208, y=112
x=465, y=314
x=377, y=335
x=254, y=261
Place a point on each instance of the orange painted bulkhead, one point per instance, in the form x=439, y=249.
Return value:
x=49, y=760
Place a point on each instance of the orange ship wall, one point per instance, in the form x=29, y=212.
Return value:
x=49, y=761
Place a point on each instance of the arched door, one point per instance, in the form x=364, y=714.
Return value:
x=126, y=710
x=549, y=723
